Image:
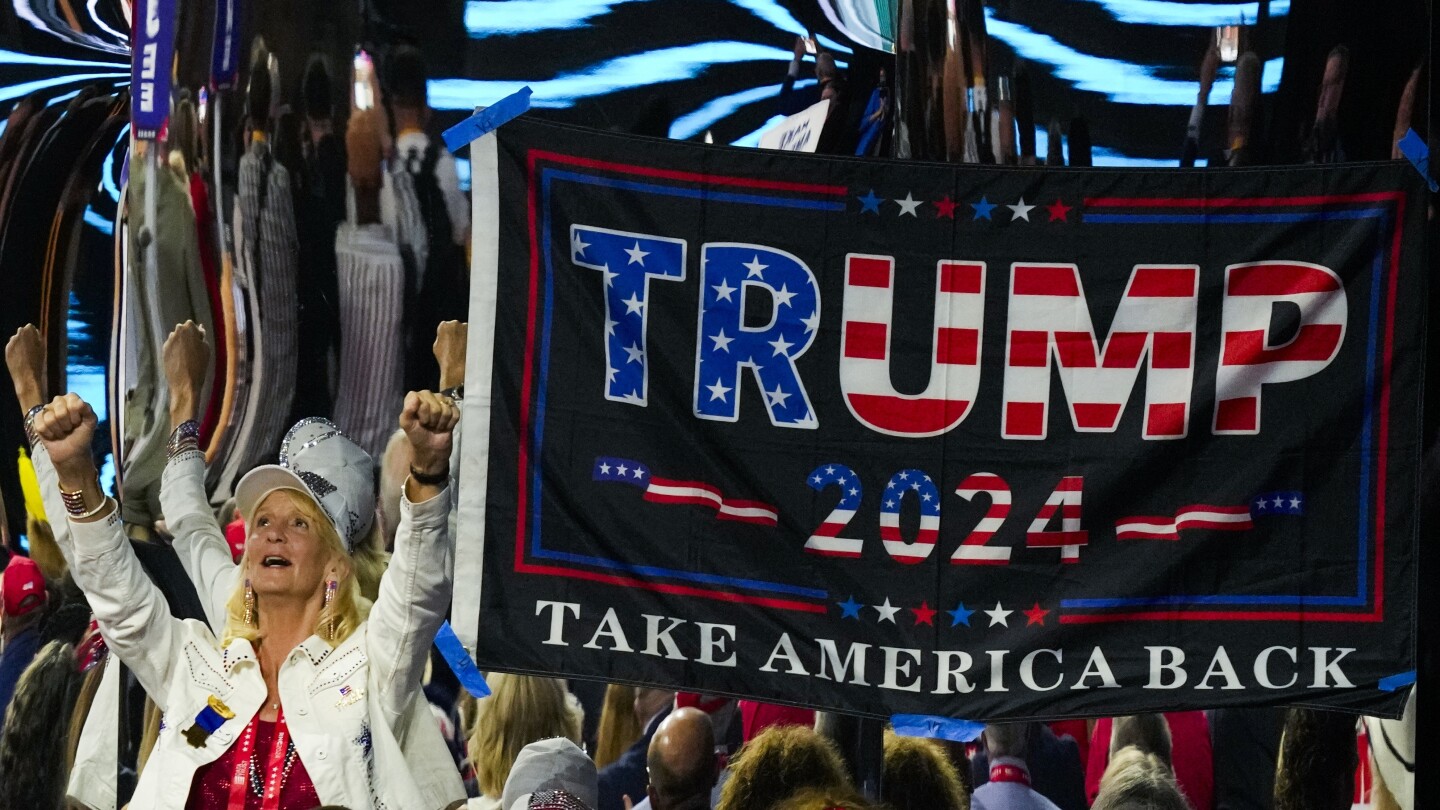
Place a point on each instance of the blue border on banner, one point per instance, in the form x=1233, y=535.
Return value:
x=1362, y=596
x=546, y=176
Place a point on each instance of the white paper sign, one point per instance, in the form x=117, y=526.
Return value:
x=800, y=132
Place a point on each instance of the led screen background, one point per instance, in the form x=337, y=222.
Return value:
x=1128, y=66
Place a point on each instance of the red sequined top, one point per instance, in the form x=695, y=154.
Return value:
x=210, y=789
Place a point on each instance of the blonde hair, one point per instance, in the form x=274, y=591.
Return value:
x=84, y=699
x=521, y=709
x=619, y=727
x=779, y=762
x=918, y=775
x=1136, y=778
x=44, y=550
x=369, y=561
x=347, y=611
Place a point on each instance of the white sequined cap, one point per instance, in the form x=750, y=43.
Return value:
x=316, y=457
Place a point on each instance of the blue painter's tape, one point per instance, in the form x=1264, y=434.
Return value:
x=1413, y=147
x=942, y=728
x=1394, y=682
x=460, y=662
x=487, y=120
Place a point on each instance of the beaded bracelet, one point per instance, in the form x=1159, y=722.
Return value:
x=183, y=438
x=75, y=504
x=84, y=515
x=30, y=415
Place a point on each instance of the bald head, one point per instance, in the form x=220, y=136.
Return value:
x=682, y=761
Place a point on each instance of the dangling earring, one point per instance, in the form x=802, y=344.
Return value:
x=330, y=587
x=249, y=604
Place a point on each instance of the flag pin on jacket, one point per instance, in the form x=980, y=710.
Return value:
x=349, y=696
x=209, y=719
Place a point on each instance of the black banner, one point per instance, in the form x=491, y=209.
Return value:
x=888, y=437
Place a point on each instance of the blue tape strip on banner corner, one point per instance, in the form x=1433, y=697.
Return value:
x=941, y=728
x=1394, y=682
x=460, y=662
x=1413, y=147
x=487, y=120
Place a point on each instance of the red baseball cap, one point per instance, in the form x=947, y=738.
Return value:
x=22, y=586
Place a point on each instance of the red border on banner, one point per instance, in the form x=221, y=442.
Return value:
x=521, y=566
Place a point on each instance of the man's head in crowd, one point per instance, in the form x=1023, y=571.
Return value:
x=1008, y=740
x=780, y=761
x=828, y=74
x=1317, y=763
x=682, y=762
x=406, y=87
x=919, y=776
x=1148, y=732
x=258, y=92
x=650, y=702
x=315, y=88
x=1137, y=780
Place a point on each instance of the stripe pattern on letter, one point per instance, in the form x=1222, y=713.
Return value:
x=865, y=354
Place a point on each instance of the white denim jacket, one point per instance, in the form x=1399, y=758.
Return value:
x=348, y=708
x=205, y=555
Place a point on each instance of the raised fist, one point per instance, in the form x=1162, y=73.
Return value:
x=449, y=350
x=428, y=420
x=66, y=427
x=186, y=356
x=25, y=359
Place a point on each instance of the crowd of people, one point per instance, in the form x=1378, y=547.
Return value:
x=247, y=621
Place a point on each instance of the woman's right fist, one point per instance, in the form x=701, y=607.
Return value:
x=66, y=427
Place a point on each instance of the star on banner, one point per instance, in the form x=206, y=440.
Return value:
x=999, y=616
x=924, y=614
x=1278, y=503
x=886, y=611
x=850, y=609
x=637, y=256
x=1020, y=210
x=983, y=208
x=754, y=269
x=869, y=203
x=909, y=204
x=1035, y=616
x=1059, y=212
x=960, y=615
x=690, y=492
x=945, y=208
x=718, y=390
x=578, y=245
